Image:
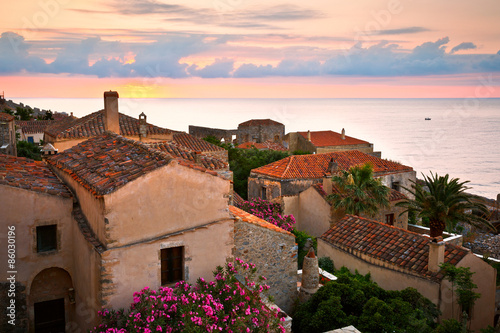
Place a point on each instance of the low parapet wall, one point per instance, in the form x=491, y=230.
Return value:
x=447, y=237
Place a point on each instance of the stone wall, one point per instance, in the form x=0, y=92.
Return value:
x=275, y=256
x=261, y=133
x=202, y=132
x=8, y=138
x=276, y=187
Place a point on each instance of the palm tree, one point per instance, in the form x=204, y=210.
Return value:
x=358, y=192
x=445, y=203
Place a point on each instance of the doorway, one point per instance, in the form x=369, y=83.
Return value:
x=49, y=316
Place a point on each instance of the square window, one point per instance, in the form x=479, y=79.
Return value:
x=46, y=238
x=172, y=263
x=389, y=219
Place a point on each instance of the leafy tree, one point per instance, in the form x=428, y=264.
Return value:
x=23, y=113
x=301, y=238
x=325, y=263
x=29, y=150
x=355, y=300
x=359, y=193
x=445, y=203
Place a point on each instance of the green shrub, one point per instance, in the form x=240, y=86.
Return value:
x=301, y=239
x=326, y=264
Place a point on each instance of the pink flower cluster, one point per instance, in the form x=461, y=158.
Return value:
x=227, y=304
x=269, y=211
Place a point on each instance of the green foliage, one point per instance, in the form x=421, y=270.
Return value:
x=355, y=300
x=29, y=150
x=359, y=192
x=48, y=115
x=241, y=161
x=325, y=263
x=301, y=239
x=445, y=203
x=23, y=113
x=451, y=326
x=489, y=329
x=300, y=152
x=461, y=277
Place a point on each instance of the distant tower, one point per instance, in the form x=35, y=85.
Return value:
x=143, y=128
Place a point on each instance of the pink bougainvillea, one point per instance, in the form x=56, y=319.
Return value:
x=270, y=211
x=227, y=304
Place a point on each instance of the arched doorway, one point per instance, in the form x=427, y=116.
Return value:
x=49, y=301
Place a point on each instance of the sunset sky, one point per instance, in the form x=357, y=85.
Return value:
x=250, y=48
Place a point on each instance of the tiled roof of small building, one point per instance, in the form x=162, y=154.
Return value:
x=249, y=218
x=315, y=166
x=93, y=124
x=393, y=194
x=264, y=145
x=193, y=143
x=6, y=117
x=261, y=122
x=30, y=175
x=174, y=150
x=331, y=138
x=237, y=199
x=396, y=247
x=33, y=126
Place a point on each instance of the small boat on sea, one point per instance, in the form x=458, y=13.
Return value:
x=427, y=118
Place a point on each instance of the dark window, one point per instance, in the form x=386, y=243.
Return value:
x=172, y=264
x=49, y=316
x=395, y=186
x=263, y=193
x=46, y=238
x=389, y=219
x=30, y=139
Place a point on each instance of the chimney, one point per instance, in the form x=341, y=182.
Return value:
x=111, y=118
x=308, y=135
x=436, y=253
x=342, y=136
x=333, y=167
x=327, y=185
x=310, y=276
x=197, y=157
x=143, y=128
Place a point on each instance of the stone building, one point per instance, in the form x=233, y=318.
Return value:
x=201, y=132
x=397, y=259
x=296, y=173
x=272, y=250
x=317, y=142
x=260, y=130
x=7, y=134
x=267, y=145
x=315, y=214
x=32, y=130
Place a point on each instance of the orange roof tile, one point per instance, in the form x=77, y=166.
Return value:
x=191, y=142
x=330, y=138
x=237, y=199
x=265, y=145
x=93, y=124
x=6, y=117
x=316, y=166
x=33, y=126
x=395, y=246
x=261, y=122
x=30, y=175
x=249, y=218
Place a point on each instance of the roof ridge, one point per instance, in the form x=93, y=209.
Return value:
x=90, y=116
x=289, y=163
x=153, y=151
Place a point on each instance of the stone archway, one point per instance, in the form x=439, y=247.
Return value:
x=49, y=302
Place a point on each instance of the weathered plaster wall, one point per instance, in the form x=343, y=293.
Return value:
x=298, y=142
x=275, y=256
x=314, y=213
x=364, y=148
x=166, y=200
x=130, y=268
x=399, y=221
x=386, y=278
x=63, y=145
x=290, y=205
x=403, y=178
x=256, y=183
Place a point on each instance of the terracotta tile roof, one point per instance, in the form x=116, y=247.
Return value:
x=262, y=122
x=108, y=161
x=265, y=145
x=249, y=218
x=93, y=124
x=174, y=150
x=30, y=175
x=6, y=117
x=33, y=126
x=237, y=199
x=193, y=143
x=330, y=138
x=393, y=194
x=396, y=248
x=315, y=166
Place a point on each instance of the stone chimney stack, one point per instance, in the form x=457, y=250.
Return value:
x=197, y=157
x=342, y=136
x=143, y=127
x=436, y=253
x=308, y=135
x=327, y=185
x=310, y=276
x=111, y=118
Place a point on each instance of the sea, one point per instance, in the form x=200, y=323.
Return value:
x=459, y=137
